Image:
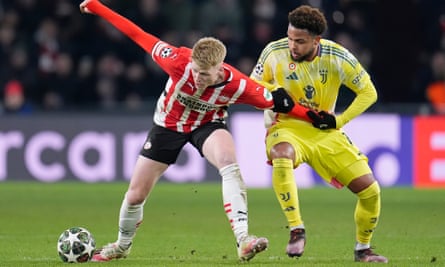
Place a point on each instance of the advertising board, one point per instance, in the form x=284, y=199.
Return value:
x=402, y=151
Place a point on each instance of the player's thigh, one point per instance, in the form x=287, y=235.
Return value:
x=145, y=175
x=163, y=145
x=337, y=157
x=278, y=135
x=215, y=143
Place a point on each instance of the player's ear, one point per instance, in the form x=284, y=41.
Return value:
x=317, y=39
x=220, y=67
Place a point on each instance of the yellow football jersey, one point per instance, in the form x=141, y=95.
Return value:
x=316, y=84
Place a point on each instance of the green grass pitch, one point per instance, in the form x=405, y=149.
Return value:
x=185, y=225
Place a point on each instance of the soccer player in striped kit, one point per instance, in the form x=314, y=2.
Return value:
x=191, y=109
x=312, y=69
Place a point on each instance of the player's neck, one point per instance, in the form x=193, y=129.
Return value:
x=314, y=54
x=222, y=76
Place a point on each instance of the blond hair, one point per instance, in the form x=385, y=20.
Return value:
x=208, y=52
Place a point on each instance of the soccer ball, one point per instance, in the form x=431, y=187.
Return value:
x=76, y=244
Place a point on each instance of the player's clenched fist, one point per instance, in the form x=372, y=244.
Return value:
x=322, y=120
x=83, y=6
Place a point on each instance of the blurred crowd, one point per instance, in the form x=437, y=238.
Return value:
x=52, y=57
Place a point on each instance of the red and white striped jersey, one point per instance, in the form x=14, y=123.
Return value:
x=182, y=107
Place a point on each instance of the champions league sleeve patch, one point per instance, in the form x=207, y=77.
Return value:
x=166, y=52
x=259, y=69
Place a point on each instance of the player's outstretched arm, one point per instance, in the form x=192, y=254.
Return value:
x=127, y=27
x=283, y=103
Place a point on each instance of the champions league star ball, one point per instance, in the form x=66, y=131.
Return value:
x=76, y=244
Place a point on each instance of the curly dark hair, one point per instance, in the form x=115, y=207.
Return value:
x=308, y=18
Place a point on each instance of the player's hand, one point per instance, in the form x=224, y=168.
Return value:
x=322, y=120
x=283, y=102
x=83, y=7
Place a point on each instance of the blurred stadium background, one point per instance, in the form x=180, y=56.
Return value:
x=77, y=96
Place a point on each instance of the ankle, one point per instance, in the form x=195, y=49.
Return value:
x=361, y=246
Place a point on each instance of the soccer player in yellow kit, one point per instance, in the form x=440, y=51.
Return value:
x=312, y=69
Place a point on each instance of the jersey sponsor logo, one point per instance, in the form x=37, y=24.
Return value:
x=195, y=104
x=308, y=104
x=292, y=76
x=324, y=75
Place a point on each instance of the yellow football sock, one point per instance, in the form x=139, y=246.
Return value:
x=286, y=190
x=367, y=213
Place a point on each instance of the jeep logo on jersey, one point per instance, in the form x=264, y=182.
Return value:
x=166, y=52
x=309, y=91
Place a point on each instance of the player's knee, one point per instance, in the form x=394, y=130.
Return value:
x=225, y=160
x=371, y=191
x=282, y=150
x=229, y=170
x=135, y=197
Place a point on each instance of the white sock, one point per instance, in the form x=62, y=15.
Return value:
x=130, y=217
x=235, y=199
x=360, y=246
x=300, y=226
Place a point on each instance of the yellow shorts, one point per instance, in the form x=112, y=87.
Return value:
x=329, y=152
